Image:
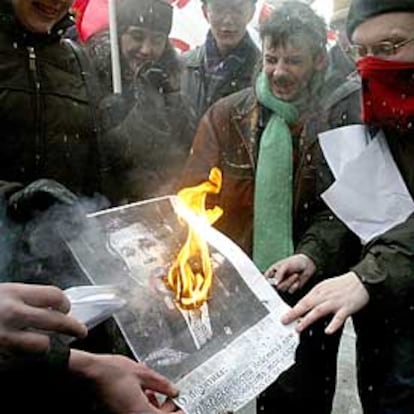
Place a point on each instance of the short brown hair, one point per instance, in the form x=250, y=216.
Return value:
x=292, y=19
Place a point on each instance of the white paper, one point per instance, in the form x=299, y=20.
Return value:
x=92, y=305
x=342, y=145
x=369, y=194
x=220, y=356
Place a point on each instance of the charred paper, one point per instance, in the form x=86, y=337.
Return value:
x=222, y=354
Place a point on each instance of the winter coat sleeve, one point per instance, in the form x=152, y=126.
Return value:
x=148, y=147
x=387, y=264
x=330, y=244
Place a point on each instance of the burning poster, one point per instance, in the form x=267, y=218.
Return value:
x=221, y=351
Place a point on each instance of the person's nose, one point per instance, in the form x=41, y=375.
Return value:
x=227, y=17
x=146, y=48
x=280, y=68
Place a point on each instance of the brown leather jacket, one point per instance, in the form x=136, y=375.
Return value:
x=228, y=136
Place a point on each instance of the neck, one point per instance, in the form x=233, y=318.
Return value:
x=226, y=50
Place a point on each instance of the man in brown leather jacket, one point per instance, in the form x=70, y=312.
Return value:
x=231, y=135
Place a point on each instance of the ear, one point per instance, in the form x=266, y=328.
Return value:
x=321, y=61
x=205, y=13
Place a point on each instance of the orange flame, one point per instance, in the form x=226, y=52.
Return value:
x=191, y=274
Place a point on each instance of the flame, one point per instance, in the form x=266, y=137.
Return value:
x=191, y=274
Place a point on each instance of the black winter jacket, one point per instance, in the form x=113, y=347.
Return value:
x=47, y=127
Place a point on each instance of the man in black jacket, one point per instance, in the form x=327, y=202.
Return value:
x=378, y=290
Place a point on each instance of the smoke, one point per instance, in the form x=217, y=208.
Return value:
x=35, y=252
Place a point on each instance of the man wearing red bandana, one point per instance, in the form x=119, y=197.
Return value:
x=379, y=290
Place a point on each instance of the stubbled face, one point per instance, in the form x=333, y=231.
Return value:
x=140, y=46
x=394, y=27
x=39, y=16
x=228, y=21
x=289, y=68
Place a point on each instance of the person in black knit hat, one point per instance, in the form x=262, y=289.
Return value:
x=379, y=290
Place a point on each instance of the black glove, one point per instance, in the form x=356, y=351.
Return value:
x=113, y=109
x=38, y=197
x=157, y=76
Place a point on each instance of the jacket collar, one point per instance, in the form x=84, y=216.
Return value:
x=245, y=104
x=196, y=58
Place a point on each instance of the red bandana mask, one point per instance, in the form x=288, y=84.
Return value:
x=387, y=93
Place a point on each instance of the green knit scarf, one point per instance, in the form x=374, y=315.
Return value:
x=272, y=239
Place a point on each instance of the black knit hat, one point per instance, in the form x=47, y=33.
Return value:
x=362, y=10
x=154, y=15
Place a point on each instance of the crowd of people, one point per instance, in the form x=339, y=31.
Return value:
x=255, y=114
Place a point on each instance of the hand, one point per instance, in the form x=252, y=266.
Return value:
x=341, y=296
x=125, y=386
x=38, y=196
x=28, y=313
x=292, y=273
x=157, y=76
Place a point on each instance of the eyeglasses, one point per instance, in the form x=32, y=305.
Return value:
x=386, y=48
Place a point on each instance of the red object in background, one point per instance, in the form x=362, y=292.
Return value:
x=91, y=17
x=180, y=44
x=179, y=3
x=332, y=37
x=265, y=12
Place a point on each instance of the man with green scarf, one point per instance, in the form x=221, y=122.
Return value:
x=264, y=139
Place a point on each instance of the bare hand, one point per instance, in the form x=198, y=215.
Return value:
x=341, y=296
x=28, y=313
x=125, y=386
x=292, y=273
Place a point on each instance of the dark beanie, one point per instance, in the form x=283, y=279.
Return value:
x=362, y=10
x=154, y=15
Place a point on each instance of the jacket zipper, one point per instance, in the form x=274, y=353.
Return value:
x=33, y=68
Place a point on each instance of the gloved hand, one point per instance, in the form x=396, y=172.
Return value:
x=37, y=197
x=157, y=76
x=113, y=109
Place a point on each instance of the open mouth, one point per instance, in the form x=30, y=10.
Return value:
x=49, y=12
x=283, y=89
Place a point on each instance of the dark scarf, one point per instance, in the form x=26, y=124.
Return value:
x=224, y=66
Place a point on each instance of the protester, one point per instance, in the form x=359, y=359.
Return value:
x=226, y=62
x=378, y=291
x=292, y=101
x=48, y=128
x=151, y=125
